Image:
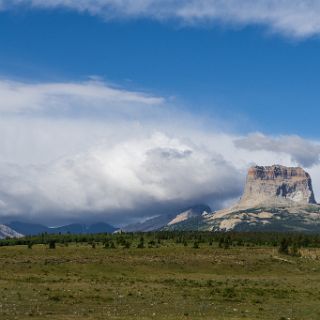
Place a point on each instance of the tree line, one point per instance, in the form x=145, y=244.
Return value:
x=286, y=242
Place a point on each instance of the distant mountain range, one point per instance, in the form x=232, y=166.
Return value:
x=19, y=229
x=22, y=228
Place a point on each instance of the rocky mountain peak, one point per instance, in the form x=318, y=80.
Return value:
x=276, y=186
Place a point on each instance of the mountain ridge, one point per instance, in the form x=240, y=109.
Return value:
x=75, y=228
x=162, y=221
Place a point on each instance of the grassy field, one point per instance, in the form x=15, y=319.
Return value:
x=170, y=282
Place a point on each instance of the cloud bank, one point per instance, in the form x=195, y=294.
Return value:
x=92, y=151
x=292, y=18
x=302, y=152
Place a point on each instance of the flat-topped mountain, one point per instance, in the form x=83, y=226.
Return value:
x=277, y=185
x=275, y=198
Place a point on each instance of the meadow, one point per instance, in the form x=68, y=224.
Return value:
x=158, y=276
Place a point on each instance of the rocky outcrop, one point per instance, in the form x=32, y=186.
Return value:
x=277, y=186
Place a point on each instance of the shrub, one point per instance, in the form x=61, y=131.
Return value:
x=52, y=244
x=294, y=250
x=127, y=245
x=140, y=245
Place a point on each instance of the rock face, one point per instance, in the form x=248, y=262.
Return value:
x=275, y=198
x=275, y=185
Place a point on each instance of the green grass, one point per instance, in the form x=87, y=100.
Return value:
x=170, y=282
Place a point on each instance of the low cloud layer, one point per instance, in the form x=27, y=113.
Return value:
x=292, y=18
x=304, y=153
x=129, y=176
x=125, y=156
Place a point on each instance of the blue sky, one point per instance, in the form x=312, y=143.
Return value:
x=121, y=110
x=234, y=72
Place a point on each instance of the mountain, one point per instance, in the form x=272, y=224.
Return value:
x=83, y=228
x=7, y=232
x=28, y=228
x=163, y=221
x=277, y=185
x=34, y=229
x=275, y=198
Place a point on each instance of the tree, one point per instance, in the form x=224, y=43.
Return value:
x=284, y=246
x=141, y=243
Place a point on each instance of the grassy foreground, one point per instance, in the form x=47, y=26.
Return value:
x=169, y=282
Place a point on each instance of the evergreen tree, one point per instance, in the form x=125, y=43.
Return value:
x=284, y=246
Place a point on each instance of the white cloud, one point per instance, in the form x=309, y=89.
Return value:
x=21, y=97
x=128, y=176
x=129, y=154
x=294, y=18
x=303, y=152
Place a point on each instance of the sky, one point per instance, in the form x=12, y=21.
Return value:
x=119, y=110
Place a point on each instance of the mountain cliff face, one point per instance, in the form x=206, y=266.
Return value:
x=277, y=185
x=275, y=198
